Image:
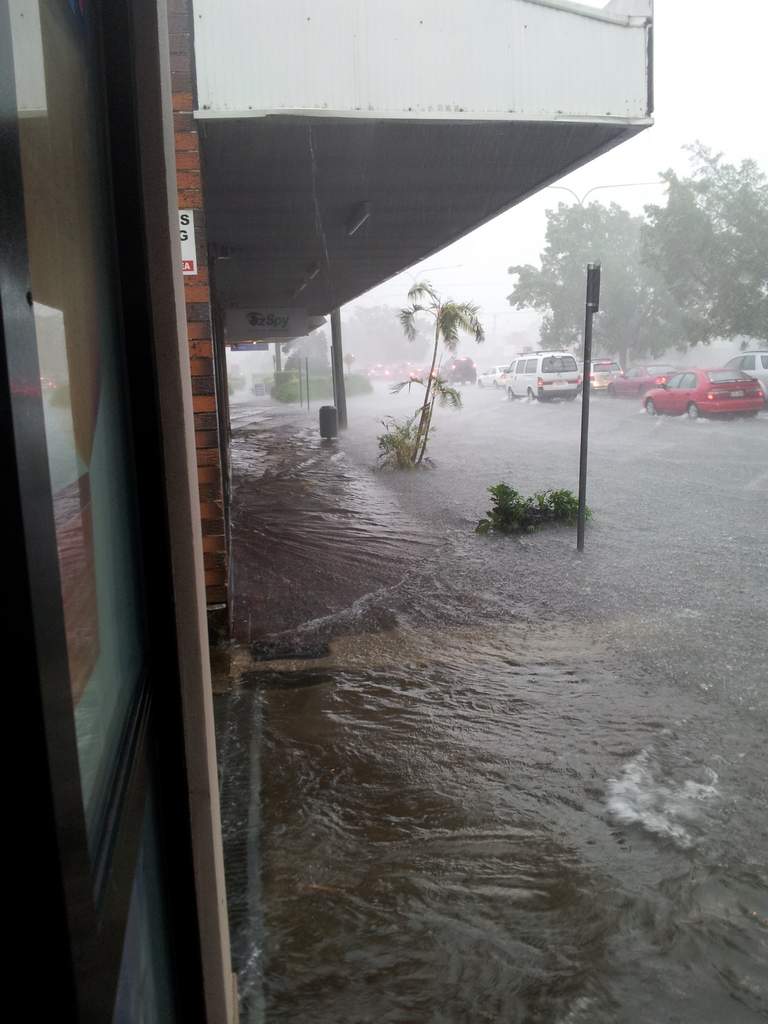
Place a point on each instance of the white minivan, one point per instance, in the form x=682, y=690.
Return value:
x=753, y=363
x=544, y=375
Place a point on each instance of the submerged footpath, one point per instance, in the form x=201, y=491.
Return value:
x=445, y=797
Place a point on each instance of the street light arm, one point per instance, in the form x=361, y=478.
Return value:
x=620, y=184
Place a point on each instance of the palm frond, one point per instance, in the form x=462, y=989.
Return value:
x=395, y=389
x=456, y=318
x=407, y=319
x=422, y=289
x=447, y=396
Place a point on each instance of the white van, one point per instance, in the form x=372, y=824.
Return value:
x=544, y=375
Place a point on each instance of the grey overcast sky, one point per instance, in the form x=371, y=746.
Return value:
x=711, y=83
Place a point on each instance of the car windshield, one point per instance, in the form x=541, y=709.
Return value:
x=720, y=376
x=601, y=367
x=558, y=364
x=660, y=369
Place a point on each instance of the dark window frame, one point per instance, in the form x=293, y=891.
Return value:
x=75, y=903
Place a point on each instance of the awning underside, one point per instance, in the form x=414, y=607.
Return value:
x=282, y=195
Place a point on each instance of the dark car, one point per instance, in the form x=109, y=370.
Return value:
x=706, y=393
x=635, y=382
x=461, y=371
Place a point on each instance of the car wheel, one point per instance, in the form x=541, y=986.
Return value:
x=611, y=391
x=750, y=415
x=693, y=411
x=479, y=383
x=510, y=395
x=570, y=398
x=530, y=396
x=650, y=407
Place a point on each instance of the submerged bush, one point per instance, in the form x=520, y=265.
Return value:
x=511, y=512
x=396, y=444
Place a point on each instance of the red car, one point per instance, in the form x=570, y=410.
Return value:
x=706, y=393
x=635, y=382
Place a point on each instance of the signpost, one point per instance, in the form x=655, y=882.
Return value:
x=187, y=236
x=592, y=306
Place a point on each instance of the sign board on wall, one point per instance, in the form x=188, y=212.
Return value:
x=187, y=235
x=265, y=322
x=250, y=346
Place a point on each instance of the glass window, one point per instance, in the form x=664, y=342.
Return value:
x=690, y=380
x=531, y=365
x=764, y=361
x=558, y=364
x=144, y=991
x=720, y=376
x=70, y=234
x=674, y=382
x=748, y=363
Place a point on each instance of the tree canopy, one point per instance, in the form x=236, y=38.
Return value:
x=637, y=313
x=710, y=243
x=689, y=271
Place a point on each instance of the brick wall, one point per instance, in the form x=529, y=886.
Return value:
x=198, y=303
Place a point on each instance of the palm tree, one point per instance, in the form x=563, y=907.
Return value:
x=451, y=318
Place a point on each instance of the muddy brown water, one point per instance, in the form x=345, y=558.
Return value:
x=443, y=804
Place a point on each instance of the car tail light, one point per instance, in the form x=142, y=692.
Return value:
x=540, y=383
x=578, y=379
x=710, y=396
x=591, y=376
x=661, y=380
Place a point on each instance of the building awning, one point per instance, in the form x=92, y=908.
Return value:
x=359, y=138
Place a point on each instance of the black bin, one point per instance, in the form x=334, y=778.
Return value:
x=329, y=421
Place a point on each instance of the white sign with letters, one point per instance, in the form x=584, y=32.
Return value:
x=187, y=235
x=261, y=322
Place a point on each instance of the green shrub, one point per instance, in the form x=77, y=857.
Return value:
x=397, y=442
x=286, y=387
x=510, y=512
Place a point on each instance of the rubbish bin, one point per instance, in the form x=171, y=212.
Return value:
x=329, y=421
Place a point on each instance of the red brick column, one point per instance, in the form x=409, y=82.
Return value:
x=198, y=302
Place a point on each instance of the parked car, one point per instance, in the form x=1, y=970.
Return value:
x=492, y=377
x=755, y=364
x=706, y=393
x=460, y=371
x=634, y=383
x=544, y=375
x=603, y=373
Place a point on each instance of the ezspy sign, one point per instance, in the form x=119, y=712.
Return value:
x=187, y=235
x=260, y=323
x=250, y=346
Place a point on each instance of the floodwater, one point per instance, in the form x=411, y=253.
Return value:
x=470, y=779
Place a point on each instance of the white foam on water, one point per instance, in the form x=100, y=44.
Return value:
x=640, y=797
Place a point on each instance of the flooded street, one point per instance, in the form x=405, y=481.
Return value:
x=484, y=779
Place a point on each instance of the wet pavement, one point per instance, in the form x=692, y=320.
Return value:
x=483, y=779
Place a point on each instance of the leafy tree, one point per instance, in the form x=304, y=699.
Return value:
x=450, y=319
x=313, y=347
x=637, y=313
x=711, y=244
x=371, y=335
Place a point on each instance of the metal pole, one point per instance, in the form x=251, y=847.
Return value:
x=301, y=397
x=337, y=368
x=592, y=306
x=306, y=366
x=278, y=361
